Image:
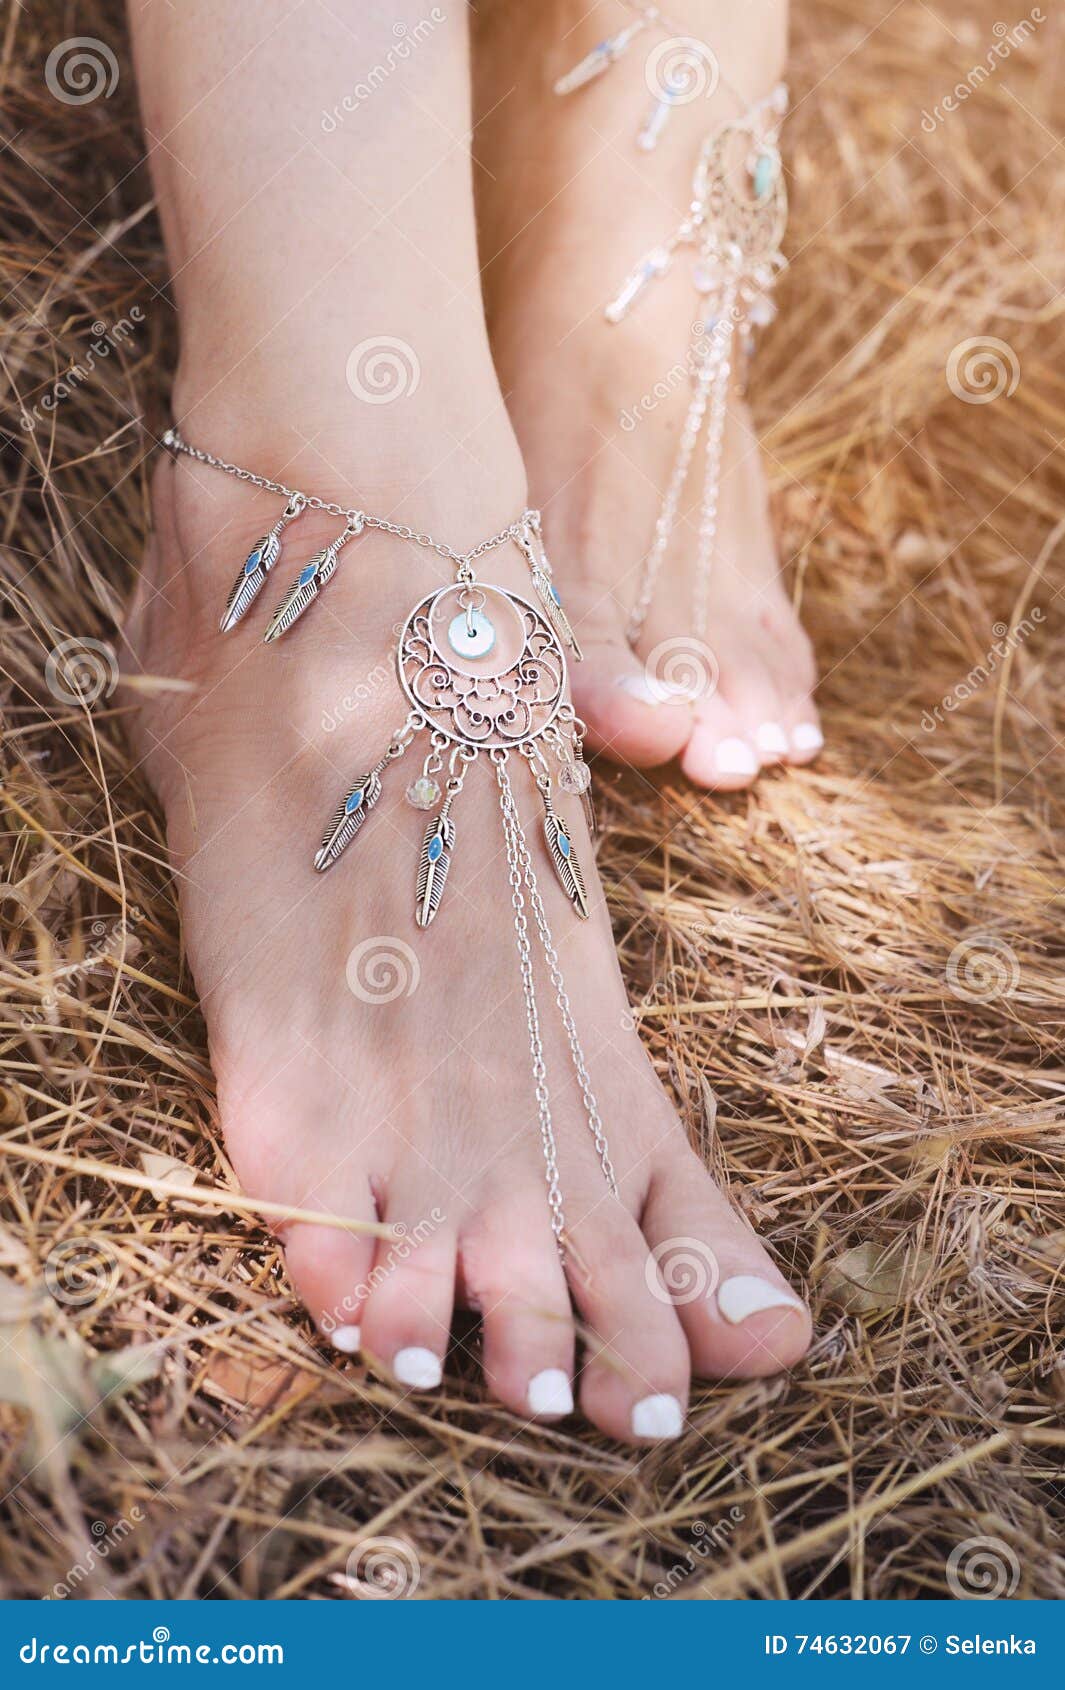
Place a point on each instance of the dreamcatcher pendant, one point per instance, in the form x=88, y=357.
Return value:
x=484, y=673
x=734, y=226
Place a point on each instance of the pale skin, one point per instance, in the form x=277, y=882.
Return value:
x=290, y=242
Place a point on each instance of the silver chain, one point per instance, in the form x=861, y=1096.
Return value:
x=554, y=967
x=512, y=834
x=175, y=442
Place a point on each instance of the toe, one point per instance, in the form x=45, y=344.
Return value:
x=741, y=1318
x=513, y=1275
x=636, y=1372
x=750, y=688
x=407, y=1316
x=721, y=753
x=803, y=726
x=329, y=1270
x=631, y=715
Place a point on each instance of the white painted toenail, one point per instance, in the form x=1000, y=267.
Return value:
x=657, y=1417
x=739, y=1298
x=346, y=1338
x=549, y=1393
x=807, y=736
x=772, y=740
x=639, y=687
x=417, y=1367
x=735, y=757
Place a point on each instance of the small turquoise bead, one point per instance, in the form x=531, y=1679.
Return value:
x=564, y=844
x=253, y=563
x=436, y=848
x=307, y=575
x=764, y=172
x=353, y=802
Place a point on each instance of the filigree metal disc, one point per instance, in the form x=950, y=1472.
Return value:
x=504, y=698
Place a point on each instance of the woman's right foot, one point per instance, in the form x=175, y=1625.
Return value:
x=403, y=1096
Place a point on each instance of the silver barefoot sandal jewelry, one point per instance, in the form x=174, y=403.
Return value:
x=484, y=673
x=734, y=227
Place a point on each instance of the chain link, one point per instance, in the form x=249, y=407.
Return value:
x=173, y=441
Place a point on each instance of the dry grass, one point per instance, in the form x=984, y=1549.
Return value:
x=887, y=1108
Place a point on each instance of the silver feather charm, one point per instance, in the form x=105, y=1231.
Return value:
x=433, y=866
x=600, y=58
x=349, y=816
x=257, y=566
x=308, y=584
x=251, y=580
x=546, y=591
x=567, y=866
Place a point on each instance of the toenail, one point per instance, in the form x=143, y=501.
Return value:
x=807, y=736
x=417, y=1367
x=639, y=687
x=739, y=1298
x=550, y=1393
x=772, y=740
x=735, y=757
x=657, y=1417
x=346, y=1338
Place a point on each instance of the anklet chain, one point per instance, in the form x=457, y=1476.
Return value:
x=735, y=224
x=484, y=673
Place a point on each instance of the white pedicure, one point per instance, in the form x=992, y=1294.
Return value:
x=657, y=1417
x=772, y=740
x=346, y=1338
x=807, y=736
x=735, y=757
x=648, y=692
x=549, y=1392
x=418, y=1367
x=746, y=1294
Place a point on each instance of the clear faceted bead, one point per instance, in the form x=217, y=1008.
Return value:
x=423, y=793
x=575, y=776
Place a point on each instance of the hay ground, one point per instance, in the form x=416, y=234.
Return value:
x=851, y=977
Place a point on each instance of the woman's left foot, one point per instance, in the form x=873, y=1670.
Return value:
x=568, y=206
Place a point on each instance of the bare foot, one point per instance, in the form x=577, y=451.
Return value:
x=373, y=1071
x=568, y=206
x=399, y=1095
